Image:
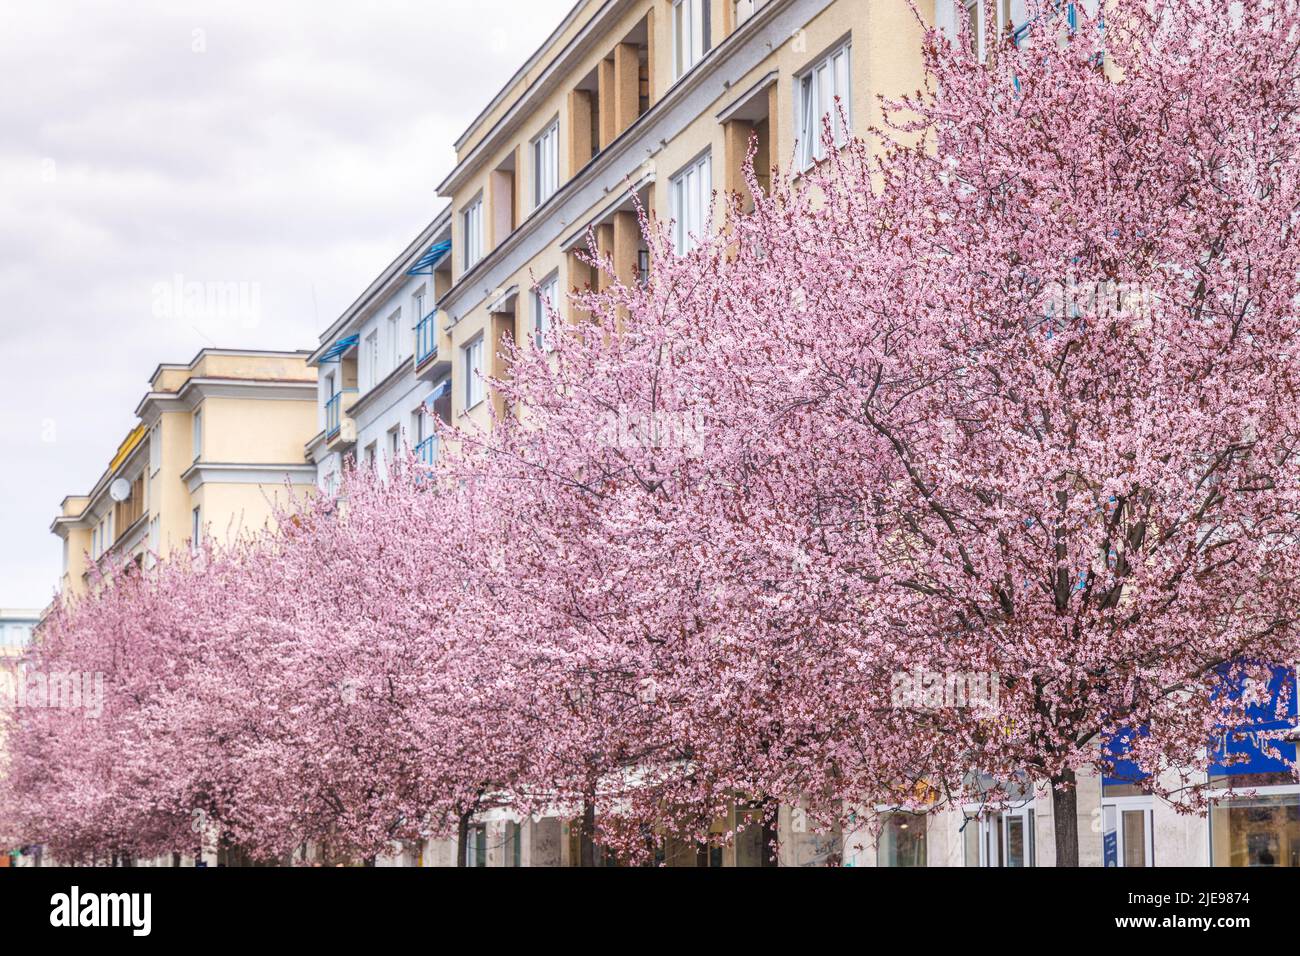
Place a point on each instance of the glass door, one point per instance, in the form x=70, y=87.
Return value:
x=1006, y=837
x=1127, y=832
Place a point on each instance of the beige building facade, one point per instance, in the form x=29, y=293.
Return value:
x=219, y=440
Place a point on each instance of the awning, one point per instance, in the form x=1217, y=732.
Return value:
x=424, y=266
x=338, y=348
x=441, y=391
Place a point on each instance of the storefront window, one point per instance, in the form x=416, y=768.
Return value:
x=902, y=840
x=1256, y=831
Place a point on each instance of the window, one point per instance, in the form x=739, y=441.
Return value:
x=472, y=226
x=747, y=8
x=417, y=301
x=1126, y=831
x=692, y=195
x=395, y=338
x=474, y=371
x=476, y=845
x=546, y=164
x=974, y=24
x=155, y=448
x=816, y=90
x=372, y=358
x=198, y=434
x=155, y=533
x=544, y=296
x=514, y=843
x=394, y=442
x=1263, y=830
x=902, y=840
x=370, y=456
x=999, y=838
x=690, y=34
x=196, y=528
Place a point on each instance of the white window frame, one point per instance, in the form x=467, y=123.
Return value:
x=546, y=163
x=1113, y=810
x=471, y=220
x=546, y=294
x=155, y=448
x=692, y=29
x=993, y=828
x=372, y=359
x=746, y=8
x=395, y=337
x=692, y=196
x=196, y=528
x=472, y=363
x=394, y=442
x=197, y=433
x=813, y=99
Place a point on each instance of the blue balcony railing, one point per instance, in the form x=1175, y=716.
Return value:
x=427, y=450
x=334, y=413
x=426, y=338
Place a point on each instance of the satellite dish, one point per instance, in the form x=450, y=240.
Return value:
x=120, y=489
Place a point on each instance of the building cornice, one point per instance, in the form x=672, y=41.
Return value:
x=212, y=472
x=242, y=353
x=196, y=389
x=525, y=106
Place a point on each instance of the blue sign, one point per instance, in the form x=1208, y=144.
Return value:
x=1240, y=750
x=1233, y=750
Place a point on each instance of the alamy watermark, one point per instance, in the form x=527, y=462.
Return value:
x=58, y=690
x=922, y=689
x=231, y=301
x=681, y=431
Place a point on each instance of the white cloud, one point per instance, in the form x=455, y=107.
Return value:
x=298, y=150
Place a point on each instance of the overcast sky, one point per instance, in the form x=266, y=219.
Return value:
x=290, y=146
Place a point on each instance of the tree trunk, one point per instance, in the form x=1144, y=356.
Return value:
x=587, y=833
x=771, y=811
x=462, y=840
x=1065, y=818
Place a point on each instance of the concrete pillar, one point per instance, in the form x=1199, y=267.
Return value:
x=627, y=86
x=944, y=838
x=1178, y=839
x=774, y=127
x=579, y=128
x=650, y=53
x=605, y=74
x=605, y=245
x=625, y=242
x=580, y=279
x=735, y=138
x=540, y=842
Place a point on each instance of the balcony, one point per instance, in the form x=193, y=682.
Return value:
x=429, y=362
x=339, y=430
x=427, y=451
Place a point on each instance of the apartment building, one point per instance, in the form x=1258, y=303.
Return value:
x=384, y=367
x=652, y=98
x=218, y=441
x=660, y=99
